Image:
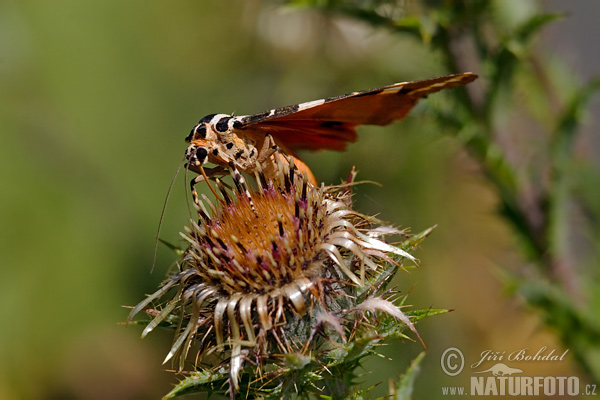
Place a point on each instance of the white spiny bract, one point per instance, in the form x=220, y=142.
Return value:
x=286, y=269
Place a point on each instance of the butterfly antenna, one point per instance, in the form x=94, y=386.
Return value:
x=162, y=214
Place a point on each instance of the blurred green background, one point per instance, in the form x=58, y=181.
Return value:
x=95, y=101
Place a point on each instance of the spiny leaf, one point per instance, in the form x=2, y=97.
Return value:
x=405, y=385
x=418, y=315
x=509, y=56
x=201, y=381
x=569, y=121
x=534, y=24
x=578, y=331
x=178, y=250
x=416, y=239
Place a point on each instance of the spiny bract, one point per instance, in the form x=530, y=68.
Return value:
x=273, y=274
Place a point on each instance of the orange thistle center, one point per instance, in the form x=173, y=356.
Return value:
x=260, y=243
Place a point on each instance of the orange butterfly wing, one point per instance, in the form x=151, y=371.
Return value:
x=330, y=123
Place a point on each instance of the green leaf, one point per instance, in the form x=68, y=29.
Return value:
x=406, y=383
x=178, y=250
x=512, y=53
x=578, y=331
x=569, y=121
x=198, y=382
x=534, y=24
x=417, y=315
x=415, y=240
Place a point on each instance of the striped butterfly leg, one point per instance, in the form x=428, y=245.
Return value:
x=206, y=173
x=240, y=184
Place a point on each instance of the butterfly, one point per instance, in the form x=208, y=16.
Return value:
x=259, y=141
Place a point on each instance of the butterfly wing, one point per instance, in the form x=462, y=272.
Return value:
x=330, y=123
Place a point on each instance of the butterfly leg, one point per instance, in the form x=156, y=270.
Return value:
x=269, y=148
x=209, y=173
x=240, y=184
x=269, y=164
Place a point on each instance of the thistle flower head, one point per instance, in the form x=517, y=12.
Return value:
x=269, y=268
x=259, y=244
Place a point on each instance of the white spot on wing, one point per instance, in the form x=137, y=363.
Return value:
x=310, y=104
x=394, y=88
x=398, y=86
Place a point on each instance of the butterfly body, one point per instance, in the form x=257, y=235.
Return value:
x=216, y=139
x=263, y=139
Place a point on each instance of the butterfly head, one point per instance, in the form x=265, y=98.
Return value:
x=213, y=140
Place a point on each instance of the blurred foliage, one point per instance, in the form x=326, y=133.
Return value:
x=535, y=195
x=96, y=100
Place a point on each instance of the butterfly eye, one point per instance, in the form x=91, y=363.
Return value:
x=201, y=154
x=196, y=154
